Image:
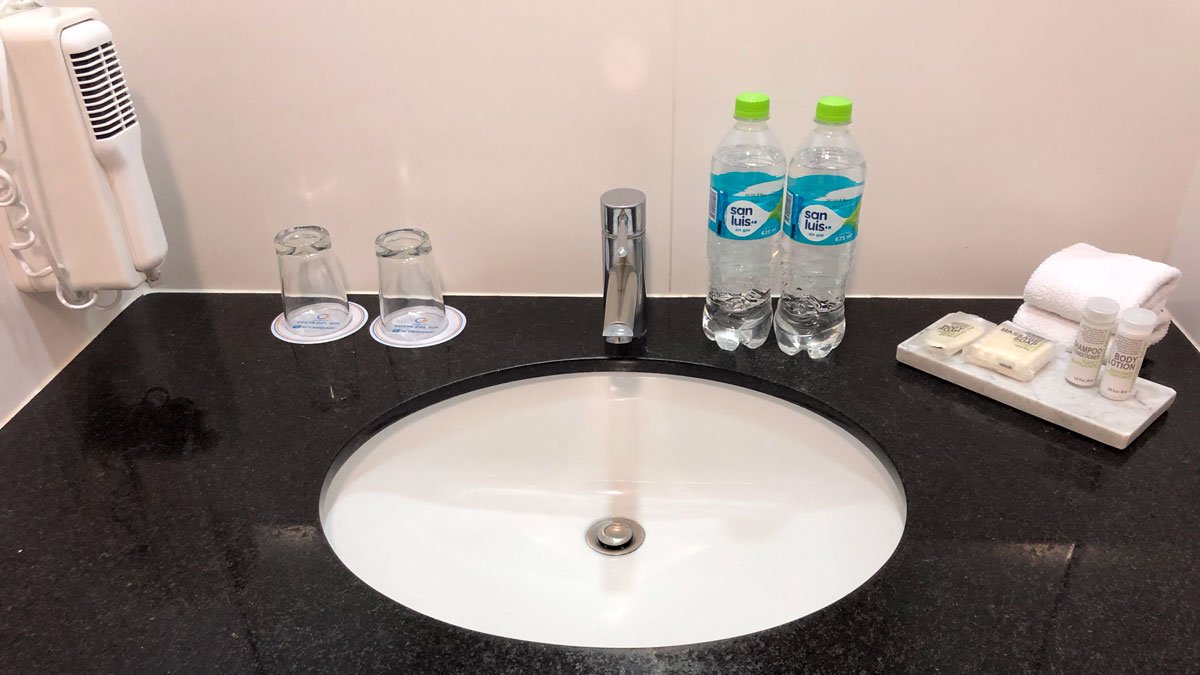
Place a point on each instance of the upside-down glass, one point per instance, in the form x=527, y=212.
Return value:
x=314, y=292
x=410, y=292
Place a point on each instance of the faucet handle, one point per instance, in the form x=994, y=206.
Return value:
x=623, y=206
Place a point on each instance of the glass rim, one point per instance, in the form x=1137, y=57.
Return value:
x=410, y=241
x=285, y=232
x=287, y=243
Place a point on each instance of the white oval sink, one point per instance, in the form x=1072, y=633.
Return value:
x=473, y=511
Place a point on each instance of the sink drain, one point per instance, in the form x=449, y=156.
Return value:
x=615, y=536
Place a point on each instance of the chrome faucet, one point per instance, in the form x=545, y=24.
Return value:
x=623, y=219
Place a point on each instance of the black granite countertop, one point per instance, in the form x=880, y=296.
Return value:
x=160, y=503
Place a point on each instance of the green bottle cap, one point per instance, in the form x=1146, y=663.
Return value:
x=833, y=110
x=752, y=105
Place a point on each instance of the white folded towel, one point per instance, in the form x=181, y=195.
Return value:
x=1062, y=331
x=1062, y=284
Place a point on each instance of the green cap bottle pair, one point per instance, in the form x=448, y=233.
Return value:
x=753, y=105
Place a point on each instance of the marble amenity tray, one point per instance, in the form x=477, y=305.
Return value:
x=1049, y=396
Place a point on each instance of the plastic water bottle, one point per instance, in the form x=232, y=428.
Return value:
x=820, y=227
x=744, y=202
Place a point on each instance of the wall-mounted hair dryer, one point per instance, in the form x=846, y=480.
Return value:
x=82, y=217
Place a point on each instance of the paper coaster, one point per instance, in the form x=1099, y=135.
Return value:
x=455, y=323
x=358, y=319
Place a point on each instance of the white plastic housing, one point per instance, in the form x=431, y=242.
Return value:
x=71, y=119
x=116, y=138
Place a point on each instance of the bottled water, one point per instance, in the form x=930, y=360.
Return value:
x=824, y=191
x=744, y=202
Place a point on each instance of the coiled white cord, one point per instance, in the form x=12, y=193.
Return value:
x=23, y=236
x=24, y=239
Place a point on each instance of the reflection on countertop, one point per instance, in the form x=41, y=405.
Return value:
x=161, y=497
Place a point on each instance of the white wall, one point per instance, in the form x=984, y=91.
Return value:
x=997, y=131
x=1185, y=254
x=495, y=126
x=37, y=338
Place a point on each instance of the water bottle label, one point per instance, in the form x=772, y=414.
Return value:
x=744, y=205
x=822, y=209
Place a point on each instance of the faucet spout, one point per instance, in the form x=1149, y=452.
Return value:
x=622, y=304
x=623, y=218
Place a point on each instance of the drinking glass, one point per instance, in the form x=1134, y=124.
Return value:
x=313, y=289
x=410, y=292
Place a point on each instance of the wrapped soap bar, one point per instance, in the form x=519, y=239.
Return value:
x=1011, y=350
x=954, y=331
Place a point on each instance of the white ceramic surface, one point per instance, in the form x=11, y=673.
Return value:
x=473, y=511
x=1048, y=395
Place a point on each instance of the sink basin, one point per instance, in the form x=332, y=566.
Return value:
x=476, y=510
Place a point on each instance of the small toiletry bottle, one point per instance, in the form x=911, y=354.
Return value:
x=1129, y=347
x=1087, y=353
